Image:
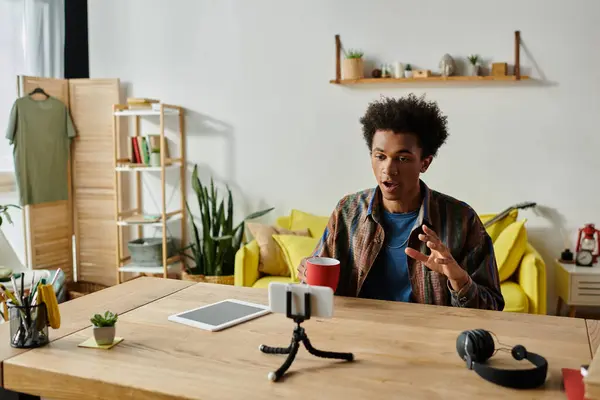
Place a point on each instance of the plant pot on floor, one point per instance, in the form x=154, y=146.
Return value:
x=352, y=68
x=104, y=335
x=219, y=279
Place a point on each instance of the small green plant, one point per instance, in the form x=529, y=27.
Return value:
x=408, y=67
x=4, y=212
x=473, y=59
x=108, y=319
x=154, y=151
x=352, y=53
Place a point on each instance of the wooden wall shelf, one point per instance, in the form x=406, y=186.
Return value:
x=455, y=78
x=429, y=79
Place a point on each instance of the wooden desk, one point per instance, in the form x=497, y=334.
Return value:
x=75, y=314
x=401, y=350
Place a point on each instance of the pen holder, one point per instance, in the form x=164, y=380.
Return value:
x=28, y=326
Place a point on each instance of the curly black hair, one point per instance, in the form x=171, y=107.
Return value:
x=410, y=114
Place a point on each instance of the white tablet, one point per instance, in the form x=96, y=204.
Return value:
x=220, y=315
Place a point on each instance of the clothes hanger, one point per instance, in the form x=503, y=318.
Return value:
x=39, y=90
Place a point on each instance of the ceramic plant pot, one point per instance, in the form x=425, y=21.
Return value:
x=155, y=159
x=473, y=70
x=352, y=68
x=104, y=335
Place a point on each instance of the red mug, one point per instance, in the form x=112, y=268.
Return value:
x=323, y=271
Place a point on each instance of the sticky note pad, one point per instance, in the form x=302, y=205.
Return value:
x=91, y=343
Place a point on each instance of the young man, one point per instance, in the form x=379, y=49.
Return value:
x=402, y=241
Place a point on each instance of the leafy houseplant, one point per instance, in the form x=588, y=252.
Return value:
x=352, y=67
x=473, y=64
x=104, y=327
x=4, y=212
x=408, y=73
x=215, y=242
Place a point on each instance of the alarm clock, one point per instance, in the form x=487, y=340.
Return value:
x=584, y=258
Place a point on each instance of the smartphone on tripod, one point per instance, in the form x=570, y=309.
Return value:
x=321, y=299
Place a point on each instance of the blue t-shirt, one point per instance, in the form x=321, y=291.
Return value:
x=388, y=278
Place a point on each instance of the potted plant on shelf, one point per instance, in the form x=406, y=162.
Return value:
x=215, y=242
x=155, y=158
x=352, y=67
x=473, y=65
x=408, y=73
x=104, y=327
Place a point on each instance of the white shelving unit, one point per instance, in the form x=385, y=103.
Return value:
x=171, y=218
x=134, y=167
x=142, y=112
x=125, y=165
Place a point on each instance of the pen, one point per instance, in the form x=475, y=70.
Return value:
x=55, y=276
x=22, y=288
x=15, y=288
x=40, y=282
x=33, y=292
x=32, y=281
x=8, y=294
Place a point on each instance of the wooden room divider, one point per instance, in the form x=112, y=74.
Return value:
x=79, y=232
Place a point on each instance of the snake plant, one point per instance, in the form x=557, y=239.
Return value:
x=214, y=240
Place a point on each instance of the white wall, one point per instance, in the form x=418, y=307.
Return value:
x=263, y=117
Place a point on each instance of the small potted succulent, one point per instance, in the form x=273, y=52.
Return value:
x=353, y=65
x=104, y=327
x=408, y=73
x=473, y=65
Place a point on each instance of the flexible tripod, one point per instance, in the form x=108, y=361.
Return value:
x=299, y=335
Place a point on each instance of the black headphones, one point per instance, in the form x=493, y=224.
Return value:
x=477, y=346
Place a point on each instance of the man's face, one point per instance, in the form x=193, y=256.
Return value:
x=397, y=163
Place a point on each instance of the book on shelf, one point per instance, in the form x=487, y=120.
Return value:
x=140, y=148
x=137, y=103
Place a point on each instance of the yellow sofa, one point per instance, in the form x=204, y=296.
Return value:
x=524, y=290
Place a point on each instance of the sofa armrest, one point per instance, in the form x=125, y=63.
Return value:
x=532, y=278
x=246, y=264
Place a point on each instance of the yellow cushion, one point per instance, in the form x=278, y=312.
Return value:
x=496, y=228
x=302, y=220
x=509, y=248
x=294, y=249
x=515, y=299
x=271, y=260
x=263, y=283
x=284, y=222
x=532, y=279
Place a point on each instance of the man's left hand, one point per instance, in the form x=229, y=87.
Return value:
x=440, y=260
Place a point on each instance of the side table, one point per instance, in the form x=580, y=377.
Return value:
x=577, y=286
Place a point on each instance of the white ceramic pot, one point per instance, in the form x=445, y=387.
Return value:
x=398, y=71
x=408, y=74
x=473, y=70
x=104, y=335
x=155, y=159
